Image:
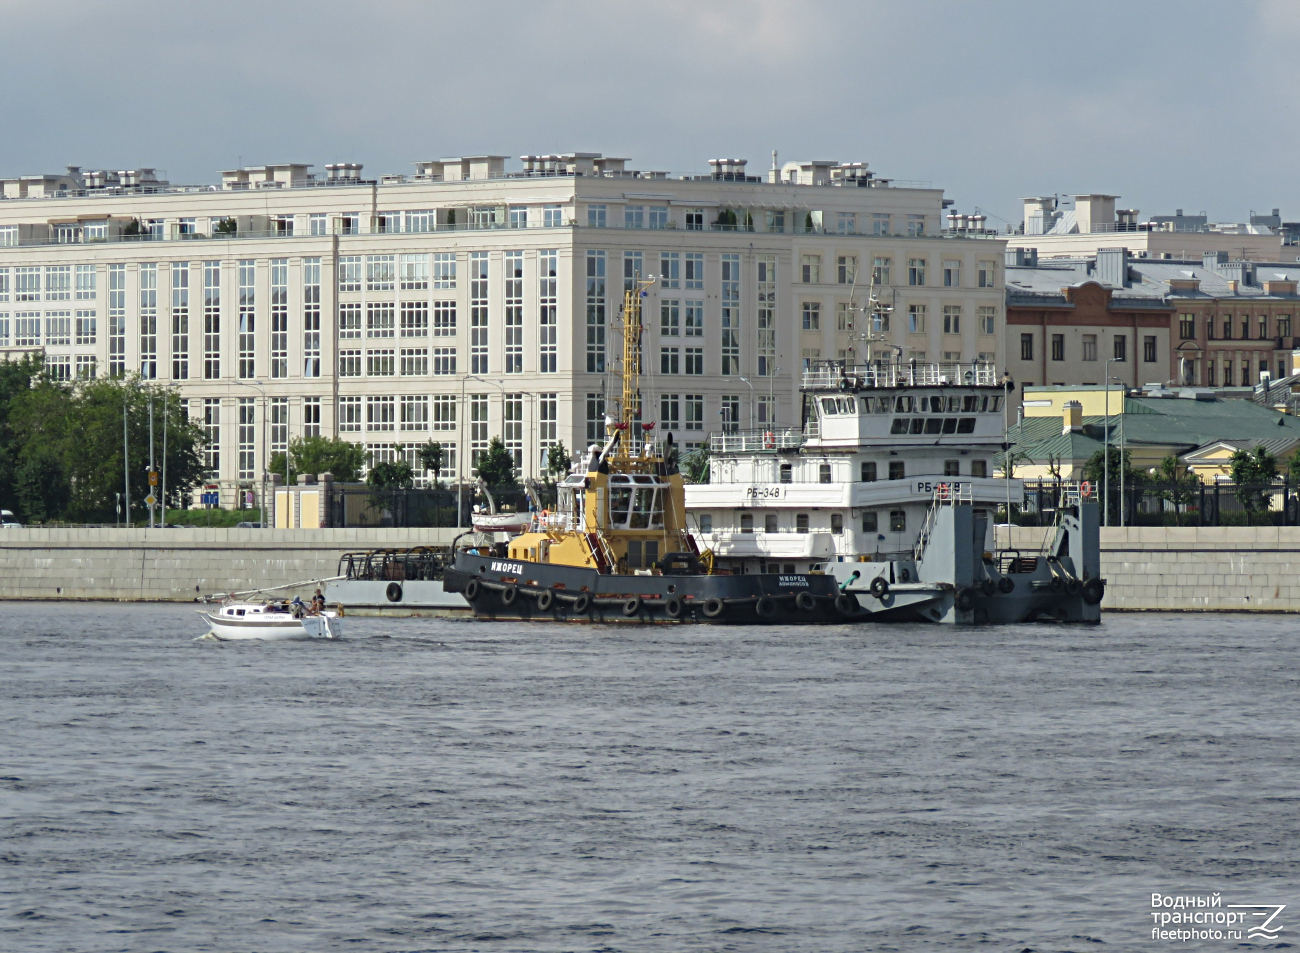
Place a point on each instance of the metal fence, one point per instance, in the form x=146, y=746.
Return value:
x=363, y=506
x=1172, y=504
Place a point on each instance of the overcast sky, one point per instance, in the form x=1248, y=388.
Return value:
x=1169, y=104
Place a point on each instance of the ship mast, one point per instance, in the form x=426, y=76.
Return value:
x=630, y=402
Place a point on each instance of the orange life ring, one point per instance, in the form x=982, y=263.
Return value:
x=1085, y=489
x=769, y=440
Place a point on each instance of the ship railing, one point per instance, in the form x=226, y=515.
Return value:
x=945, y=494
x=841, y=375
x=555, y=523
x=771, y=440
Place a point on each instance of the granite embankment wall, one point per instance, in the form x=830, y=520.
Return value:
x=1158, y=568
x=1194, y=568
x=177, y=565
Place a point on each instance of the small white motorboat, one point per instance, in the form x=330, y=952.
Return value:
x=502, y=522
x=271, y=621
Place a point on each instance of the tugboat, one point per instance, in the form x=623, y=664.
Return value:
x=887, y=488
x=617, y=547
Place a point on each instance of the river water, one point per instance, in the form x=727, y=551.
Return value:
x=453, y=785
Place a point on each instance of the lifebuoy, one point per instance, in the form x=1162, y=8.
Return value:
x=545, y=599
x=471, y=590
x=879, y=587
x=769, y=440
x=765, y=606
x=714, y=607
x=632, y=606
x=1085, y=489
x=394, y=592
x=582, y=603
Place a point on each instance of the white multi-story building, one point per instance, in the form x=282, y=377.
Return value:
x=465, y=302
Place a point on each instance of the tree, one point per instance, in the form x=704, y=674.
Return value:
x=1179, y=488
x=333, y=455
x=695, y=465
x=432, y=456
x=391, y=475
x=1292, y=464
x=497, y=469
x=1253, y=471
x=133, y=227
x=227, y=226
x=1105, y=476
x=557, y=461
x=42, y=487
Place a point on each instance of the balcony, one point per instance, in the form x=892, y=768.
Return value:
x=757, y=441
x=836, y=375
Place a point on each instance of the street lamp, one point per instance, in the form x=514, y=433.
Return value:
x=751, y=401
x=460, y=457
x=262, y=493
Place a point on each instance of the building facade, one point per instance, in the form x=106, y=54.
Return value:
x=467, y=302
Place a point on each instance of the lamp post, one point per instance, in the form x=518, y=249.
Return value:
x=262, y=494
x=460, y=458
x=1105, y=456
x=751, y=401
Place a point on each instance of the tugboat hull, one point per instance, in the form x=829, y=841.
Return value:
x=510, y=589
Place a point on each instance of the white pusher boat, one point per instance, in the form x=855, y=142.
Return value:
x=274, y=621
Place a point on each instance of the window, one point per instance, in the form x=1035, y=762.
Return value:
x=669, y=318
x=880, y=268
x=8, y=236
x=4, y=330
x=868, y=471
x=1026, y=347
x=1227, y=373
x=988, y=319
x=916, y=318
x=517, y=216
x=350, y=320
x=916, y=271
x=596, y=216
x=786, y=473
x=1263, y=326
x=670, y=269
x=898, y=521
x=247, y=435
x=1227, y=327
x=1089, y=347
x=1187, y=326
x=349, y=362
x=658, y=216
x=27, y=283
x=669, y=360
x=415, y=319
x=846, y=223
x=444, y=412
x=27, y=329
x=317, y=224
x=381, y=319
x=211, y=318
x=279, y=317
x=478, y=312
x=693, y=263
x=415, y=413
x=811, y=269
x=730, y=413
x=843, y=316
x=247, y=366
x=951, y=273
x=776, y=221
x=414, y=270
x=551, y=217
x=915, y=226
x=765, y=315
x=547, y=260
x=880, y=223
x=311, y=318
x=633, y=268
x=634, y=216
x=149, y=320
x=279, y=411
x=823, y=473
x=444, y=360
x=596, y=418
x=548, y=420
x=694, y=411
x=1283, y=325
x=350, y=273
x=810, y=356
x=670, y=412
x=747, y=522
x=444, y=270
x=1120, y=345
x=694, y=363
x=897, y=471
x=514, y=312
x=706, y=523
x=513, y=427
x=381, y=413
x=812, y=315
x=987, y=274
x=311, y=416
x=596, y=312
x=381, y=272
x=1149, y=349
x=211, y=433
x=846, y=269
x=952, y=319
x=837, y=523
x=952, y=468
x=730, y=315
x=180, y=321
x=381, y=362
x=86, y=367
x=695, y=220
x=801, y=522
x=58, y=282
x=414, y=361
x=694, y=319
x=1058, y=347
x=350, y=414
x=870, y=521
x=58, y=328
x=85, y=328
x=85, y=282
x=4, y=284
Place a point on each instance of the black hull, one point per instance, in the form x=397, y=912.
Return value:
x=505, y=589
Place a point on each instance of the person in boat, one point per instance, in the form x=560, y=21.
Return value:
x=317, y=602
x=297, y=608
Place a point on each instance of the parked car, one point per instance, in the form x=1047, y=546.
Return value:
x=9, y=521
x=247, y=525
